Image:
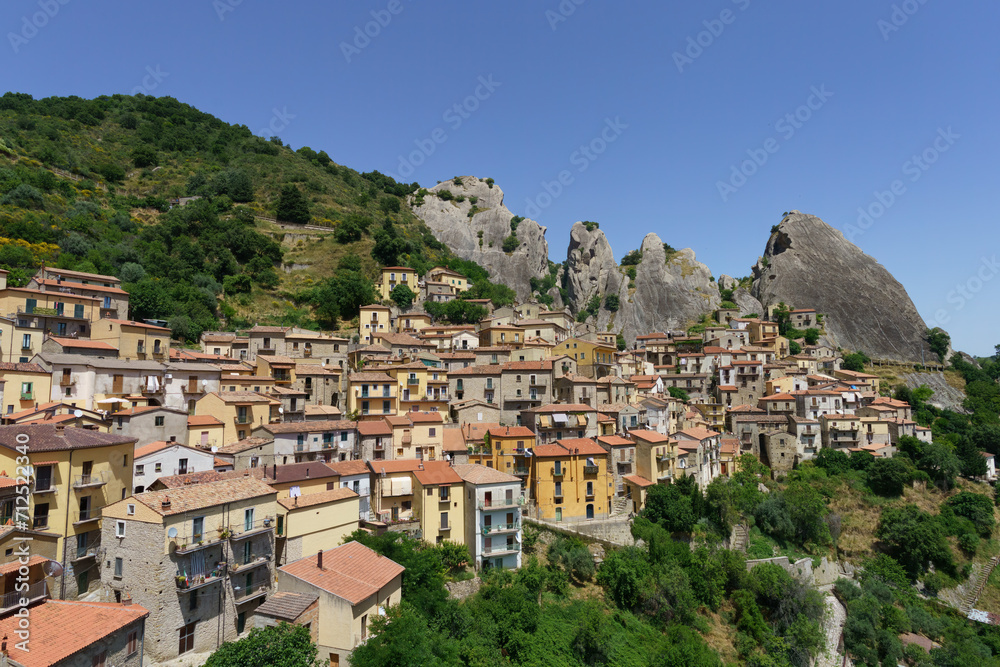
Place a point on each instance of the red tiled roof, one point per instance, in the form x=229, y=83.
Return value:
x=346, y=468
x=649, y=436
x=511, y=432
x=62, y=628
x=84, y=343
x=352, y=571
x=641, y=482
x=131, y=323
x=396, y=465
x=550, y=450
x=374, y=428
x=436, y=473
x=614, y=440
x=319, y=498
x=203, y=420
x=425, y=417
x=582, y=446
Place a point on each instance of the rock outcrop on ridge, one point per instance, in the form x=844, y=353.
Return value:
x=809, y=264
x=670, y=294
x=480, y=238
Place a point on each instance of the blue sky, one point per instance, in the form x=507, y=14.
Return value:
x=682, y=95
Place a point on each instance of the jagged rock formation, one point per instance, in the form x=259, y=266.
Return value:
x=808, y=264
x=480, y=238
x=667, y=294
x=747, y=303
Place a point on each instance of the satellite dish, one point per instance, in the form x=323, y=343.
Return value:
x=172, y=532
x=78, y=413
x=214, y=449
x=52, y=568
x=204, y=383
x=281, y=411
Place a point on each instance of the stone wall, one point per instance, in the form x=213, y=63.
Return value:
x=824, y=574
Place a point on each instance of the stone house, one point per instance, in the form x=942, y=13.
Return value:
x=264, y=340
x=191, y=555
x=333, y=440
x=150, y=424
x=558, y=421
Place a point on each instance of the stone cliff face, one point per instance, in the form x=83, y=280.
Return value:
x=666, y=295
x=480, y=238
x=808, y=264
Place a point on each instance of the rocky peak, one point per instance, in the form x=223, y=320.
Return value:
x=809, y=264
x=480, y=238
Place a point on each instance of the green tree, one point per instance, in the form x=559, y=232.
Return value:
x=887, y=477
x=812, y=336
x=677, y=392
x=793, y=347
x=915, y=539
x=611, y=302
x=148, y=299
x=402, y=296
x=669, y=507
x=403, y=638
x=855, y=362
x=939, y=341
x=975, y=507
x=281, y=645
x=292, y=206
x=510, y=243
x=620, y=343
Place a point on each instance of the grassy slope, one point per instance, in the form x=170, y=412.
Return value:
x=81, y=137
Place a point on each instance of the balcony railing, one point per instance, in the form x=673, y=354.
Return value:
x=501, y=528
x=590, y=470
x=558, y=472
x=512, y=547
x=501, y=503
x=66, y=382
x=190, y=582
x=27, y=395
x=81, y=517
x=36, y=591
x=520, y=471
x=243, y=419
x=412, y=380
x=247, y=593
x=189, y=544
x=240, y=531
x=93, y=480
x=256, y=560
x=82, y=553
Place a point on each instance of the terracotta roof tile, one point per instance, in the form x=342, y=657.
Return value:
x=199, y=496
x=435, y=473
x=311, y=499
x=285, y=605
x=352, y=571
x=479, y=474
x=46, y=438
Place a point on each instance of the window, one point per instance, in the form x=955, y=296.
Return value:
x=186, y=638
x=157, y=467
x=133, y=643
x=26, y=342
x=241, y=622
x=248, y=519
x=119, y=529
x=130, y=509
x=158, y=421
x=41, y=518
x=197, y=528
x=119, y=566
x=432, y=432
x=99, y=660
x=444, y=520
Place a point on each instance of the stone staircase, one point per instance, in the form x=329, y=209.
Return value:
x=740, y=537
x=977, y=584
x=620, y=506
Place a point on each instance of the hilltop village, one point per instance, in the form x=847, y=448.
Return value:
x=174, y=498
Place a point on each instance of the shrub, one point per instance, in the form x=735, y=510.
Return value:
x=510, y=243
x=632, y=258
x=611, y=302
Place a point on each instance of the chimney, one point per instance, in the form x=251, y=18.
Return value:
x=319, y=559
x=307, y=473
x=166, y=503
x=126, y=601
x=173, y=438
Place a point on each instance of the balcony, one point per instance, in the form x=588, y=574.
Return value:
x=187, y=583
x=590, y=470
x=91, y=481
x=510, y=548
x=40, y=522
x=256, y=560
x=189, y=545
x=36, y=591
x=27, y=395
x=243, y=419
x=501, y=503
x=445, y=528
x=412, y=381
x=147, y=389
x=85, y=552
x=43, y=486
x=520, y=472
x=241, y=531
x=159, y=352
x=81, y=517
x=193, y=388
x=266, y=349
x=558, y=472
x=501, y=528
x=252, y=592
x=66, y=382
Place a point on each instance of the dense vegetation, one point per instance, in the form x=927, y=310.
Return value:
x=88, y=185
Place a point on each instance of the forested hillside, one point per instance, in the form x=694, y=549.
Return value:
x=89, y=185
